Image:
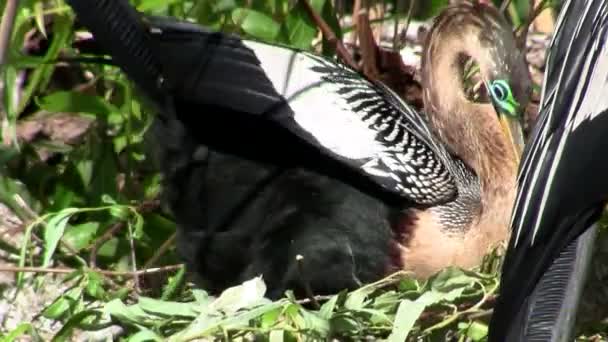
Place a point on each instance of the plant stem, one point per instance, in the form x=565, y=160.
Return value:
x=6, y=29
x=330, y=36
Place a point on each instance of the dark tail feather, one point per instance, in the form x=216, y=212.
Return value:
x=119, y=28
x=549, y=313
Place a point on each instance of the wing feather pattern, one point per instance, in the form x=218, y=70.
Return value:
x=252, y=99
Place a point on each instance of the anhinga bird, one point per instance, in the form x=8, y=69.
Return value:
x=562, y=184
x=227, y=106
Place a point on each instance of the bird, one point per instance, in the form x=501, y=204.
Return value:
x=562, y=188
x=366, y=185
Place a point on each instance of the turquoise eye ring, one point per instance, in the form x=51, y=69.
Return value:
x=503, y=97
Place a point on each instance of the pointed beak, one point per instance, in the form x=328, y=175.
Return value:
x=512, y=128
x=510, y=114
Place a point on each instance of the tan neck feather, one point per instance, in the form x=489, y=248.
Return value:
x=470, y=130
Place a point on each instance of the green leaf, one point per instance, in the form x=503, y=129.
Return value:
x=63, y=196
x=39, y=17
x=164, y=308
x=57, y=309
x=301, y=30
x=407, y=314
x=41, y=76
x=94, y=285
x=53, y=232
x=256, y=24
x=377, y=316
x=80, y=236
x=103, y=181
x=76, y=102
x=344, y=324
x=133, y=314
x=241, y=296
x=451, y=278
x=223, y=5
x=408, y=284
x=314, y=321
x=387, y=300
x=144, y=335
x=477, y=331
x=120, y=212
x=137, y=227
x=155, y=5
x=109, y=249
x=172, y=287
x=270, y=318
x=409, y=311
x=327, y=309
x=205, y=324
x=9, y=75
x=17, y=332
x=65, y=333
x=63, y=304
x=428, y=9
x=356, y=299
x=9, y=189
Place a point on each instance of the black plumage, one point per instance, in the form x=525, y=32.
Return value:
x=562, y=182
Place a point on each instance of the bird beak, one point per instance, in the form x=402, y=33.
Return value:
x=510, y=114
x=512, y=127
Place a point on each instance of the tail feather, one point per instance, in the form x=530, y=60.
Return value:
x=561, y=184
x=120, y=30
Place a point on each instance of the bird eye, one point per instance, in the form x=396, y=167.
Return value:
x=503, y=97
x=500, y=91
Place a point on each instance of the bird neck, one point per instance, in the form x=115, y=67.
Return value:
x=470, y=130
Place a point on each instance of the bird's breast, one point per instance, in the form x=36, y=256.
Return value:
x=425, y=247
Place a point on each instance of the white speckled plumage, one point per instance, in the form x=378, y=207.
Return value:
x=359, y=119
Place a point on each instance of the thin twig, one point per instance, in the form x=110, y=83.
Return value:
x=368, y=46
x=318, y=299
x=504, y=5
x=145, y=207
x=398, y=9
x=409, y=18
x=64, y=270
x=480, y=314
x=134, y=261
x=163, y=248
x=34, y=216
x=330, y=36
x=6, y=28
x=356, y=10
x=522, y=32
x=102, y=239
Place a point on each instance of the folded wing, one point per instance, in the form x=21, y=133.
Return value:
x=259, y=100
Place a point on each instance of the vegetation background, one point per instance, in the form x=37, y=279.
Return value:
x=86, y=249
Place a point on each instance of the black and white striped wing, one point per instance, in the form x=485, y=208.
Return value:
x=251, y=99
x=360, y=122
x=348, y=118
x=563, y=179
